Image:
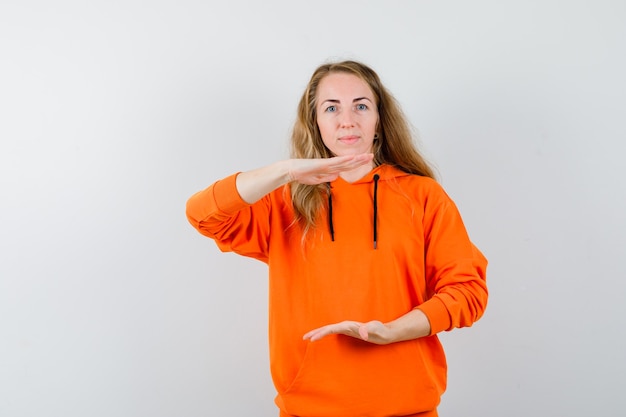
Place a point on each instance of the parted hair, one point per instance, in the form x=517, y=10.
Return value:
x=395, y=144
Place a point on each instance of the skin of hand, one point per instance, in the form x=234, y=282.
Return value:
x=410, y=326
x=317, y=171
x=253, y=185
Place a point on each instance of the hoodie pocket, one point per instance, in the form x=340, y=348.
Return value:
x=342, y=376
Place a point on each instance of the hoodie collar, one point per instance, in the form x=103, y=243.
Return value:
x=385, y=172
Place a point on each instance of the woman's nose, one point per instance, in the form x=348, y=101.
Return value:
x=347, y=119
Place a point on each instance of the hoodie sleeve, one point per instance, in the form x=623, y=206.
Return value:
x=455, y=269
x=220, y=213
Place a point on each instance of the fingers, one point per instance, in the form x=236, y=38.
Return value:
x=321, y=332
x=349, y=162
x=373, y=331
x=318, y=334
x=317, y=171
x=348, y=328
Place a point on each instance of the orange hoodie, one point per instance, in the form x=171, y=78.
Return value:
x=423, y=259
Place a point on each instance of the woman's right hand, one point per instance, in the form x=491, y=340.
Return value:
x=318, y=171
x=253, y=185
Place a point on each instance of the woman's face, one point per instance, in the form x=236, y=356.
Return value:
x=347, y=114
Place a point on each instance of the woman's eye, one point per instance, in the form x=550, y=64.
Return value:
x=331, y=109
x=361, y=106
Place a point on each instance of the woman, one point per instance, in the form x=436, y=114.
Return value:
x=368, y=257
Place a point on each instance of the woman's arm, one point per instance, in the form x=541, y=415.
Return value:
x=225, y=211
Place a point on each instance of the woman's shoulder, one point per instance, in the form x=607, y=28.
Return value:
x=394, y=174
x=424, y=190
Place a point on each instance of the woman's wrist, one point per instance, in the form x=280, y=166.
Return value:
x=255, y=184
x=412, y=325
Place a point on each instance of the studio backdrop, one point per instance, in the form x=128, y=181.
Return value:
x=113, y=113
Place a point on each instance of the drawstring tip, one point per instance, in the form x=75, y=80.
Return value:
x=375, y=244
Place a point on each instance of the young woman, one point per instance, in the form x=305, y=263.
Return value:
x=368, y=256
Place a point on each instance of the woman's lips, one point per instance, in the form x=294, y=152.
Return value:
x=348, y=140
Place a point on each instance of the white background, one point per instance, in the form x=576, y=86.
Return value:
x=112, y=113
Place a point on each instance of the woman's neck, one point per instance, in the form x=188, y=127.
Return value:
x=356, y=174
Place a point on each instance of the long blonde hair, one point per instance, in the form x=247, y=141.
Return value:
x=395, y=144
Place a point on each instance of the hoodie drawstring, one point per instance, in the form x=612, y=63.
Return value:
x=330, y=212
x=376, y=178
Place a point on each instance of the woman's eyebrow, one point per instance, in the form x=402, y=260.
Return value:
x=334, y=100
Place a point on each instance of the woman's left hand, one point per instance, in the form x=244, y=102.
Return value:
x=411, y=325
x=373, y=331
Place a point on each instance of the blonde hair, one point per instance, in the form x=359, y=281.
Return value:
x=395, y=144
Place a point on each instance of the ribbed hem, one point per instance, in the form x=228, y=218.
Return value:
x=431, y=413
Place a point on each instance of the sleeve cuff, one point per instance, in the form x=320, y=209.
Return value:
x=437, y=314
x=227, y=198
